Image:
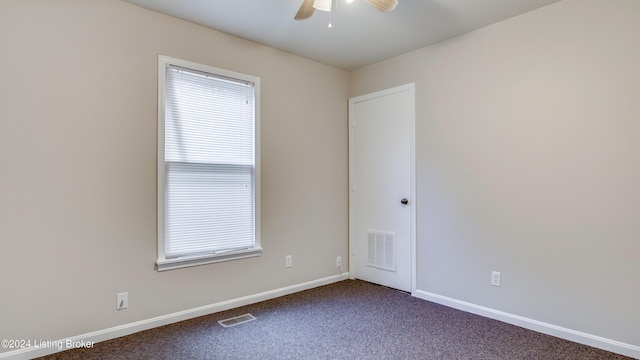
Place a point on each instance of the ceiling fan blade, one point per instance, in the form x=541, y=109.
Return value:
x=305, y=11
x=383, y=5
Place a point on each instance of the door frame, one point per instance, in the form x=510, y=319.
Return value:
x=412, y=189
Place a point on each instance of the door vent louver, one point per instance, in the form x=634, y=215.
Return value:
x=236, y=320
x=381, y=250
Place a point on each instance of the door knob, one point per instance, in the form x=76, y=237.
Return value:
x=404, y=201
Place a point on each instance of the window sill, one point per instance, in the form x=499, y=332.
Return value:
x=171, y=264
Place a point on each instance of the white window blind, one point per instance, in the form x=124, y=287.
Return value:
x=209, y=192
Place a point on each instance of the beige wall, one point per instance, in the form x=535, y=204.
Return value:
x=528, y=145
x=78, y=100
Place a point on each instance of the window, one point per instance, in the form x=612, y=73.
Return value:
x=208, y=165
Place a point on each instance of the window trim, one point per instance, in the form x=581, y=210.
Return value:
x=162, y=263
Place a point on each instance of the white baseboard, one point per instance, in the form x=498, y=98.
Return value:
x=535, y=325
x=127, y=329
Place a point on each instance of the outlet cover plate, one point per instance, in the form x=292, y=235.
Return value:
x=495, y=278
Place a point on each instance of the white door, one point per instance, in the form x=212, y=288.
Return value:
x=382, y=196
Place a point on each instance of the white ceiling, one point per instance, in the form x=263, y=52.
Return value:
x=360, y=35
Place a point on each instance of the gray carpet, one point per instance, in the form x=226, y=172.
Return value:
x=347, y=320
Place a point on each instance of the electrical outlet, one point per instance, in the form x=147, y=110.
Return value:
x=339, y=261
x=122, y=301
x=288, y=261
x=495, y=278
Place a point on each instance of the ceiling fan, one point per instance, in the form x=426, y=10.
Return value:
x=308, y=6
